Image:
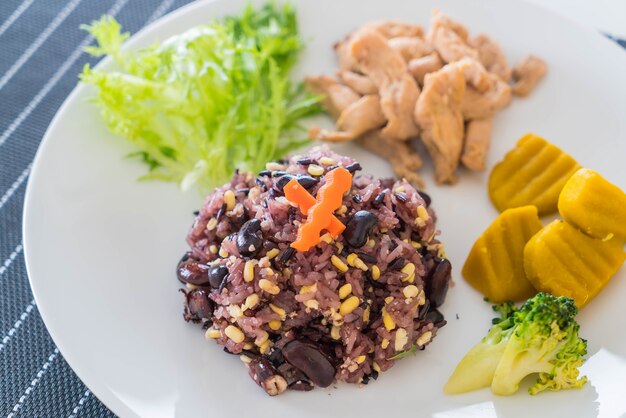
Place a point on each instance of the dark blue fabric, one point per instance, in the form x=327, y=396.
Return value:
x=35, y=380
x=37, y=38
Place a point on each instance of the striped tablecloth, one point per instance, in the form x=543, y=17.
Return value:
x=40, y=57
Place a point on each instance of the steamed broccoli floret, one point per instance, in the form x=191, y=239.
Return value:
x=540, y=337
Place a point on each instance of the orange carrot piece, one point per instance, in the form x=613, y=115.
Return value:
x=329, y=198
x=296, y=193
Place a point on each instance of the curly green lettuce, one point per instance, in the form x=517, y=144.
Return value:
x=213, y=99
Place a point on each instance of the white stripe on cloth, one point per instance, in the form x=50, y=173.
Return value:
x=15, y=15
x=114, y=10
x=63, y=14
x=34, y=383
x=7, y=263
x=80, y=404
x=17, y=324
x=16, y=184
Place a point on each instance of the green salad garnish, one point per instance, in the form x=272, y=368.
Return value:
x=206, y=102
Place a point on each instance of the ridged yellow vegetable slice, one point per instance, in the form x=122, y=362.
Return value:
x=495, y=264
x=563, y=261
x=595, y=206
x=533, y=173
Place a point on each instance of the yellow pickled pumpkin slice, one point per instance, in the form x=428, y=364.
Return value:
x=593, y=205
x=563, y=261
x=495, y=265
x=533, y=173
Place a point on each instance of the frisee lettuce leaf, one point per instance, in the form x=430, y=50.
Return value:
x=213, y=99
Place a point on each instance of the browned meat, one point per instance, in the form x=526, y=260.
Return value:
x=337, y=96
x=358, y=82
x=491, y=56
x=404, y=159
x=485, y=103
x=419, y=67
x=410, y=47
x=394, y=29
x=438, y=113
x=361, y=116
x=449, y=38
x=477, y=141
x=527, y=74
x=387, y=70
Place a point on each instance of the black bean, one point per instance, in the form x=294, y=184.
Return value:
x=374, y=374
x=397, y=263
x=261, y=183
x=435, y=317
x=196, y=212
x=367, y=258
x=306, y=161
x=278, y=173
x=311, y=361
x=353, y=167
x=266, y=376
x=217, y=274
x=244, y=191
x=221, y=212
x=301, y=385
x=276, y=357
x=366, y=379
x=424, y=309
x=357, y=198
x=378, y=200
x=184, y=258
x=358, y=228
x=426, y=198
x=249, y=238
x=198, y=306
x=331, y=167
x=265, y=173
x=305, y=181
x=282, y=161
x=438, y=281
x=286, y=255
x=401, y=197
x=192, y=272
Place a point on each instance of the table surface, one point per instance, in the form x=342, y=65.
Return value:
x=40, y=57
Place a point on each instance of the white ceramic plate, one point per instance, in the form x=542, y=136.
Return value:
x=101, y=248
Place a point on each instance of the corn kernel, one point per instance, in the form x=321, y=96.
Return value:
x=410, y=291
x=349, y=305
x=269, y=287
x=315, y=170
x=248, y=271
x=388, y=299
x=422, y=213
x=248, y=346
x=210, y=226
x=416, y=245
x=335, y=333
x=223, y=253
x=376, y=367
x=251, y=301
x=384, y=343
x=213, y=333
x=272, y=253
x=370, y=243
x=234, y=311
x=350, y=259
x=424, y=338
x=213, y=249
x=358, y=263
x=327, y=161
x=339, y=246
x=342, y=210
x=361, y=359
x=366, y=314
x=375, y=272
x=274, y=324
x=388, y=321
x=327, y=238
x=308, y=289
x=409, y=270
x=345, y=290
x=278, y=310
x=339, y=265
x=268, y=271
x=234, y=334
x=401, y=339
x=229, y=199
x=245, y=358
x=262, y=338
x=312, y=304
x=264, y=347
